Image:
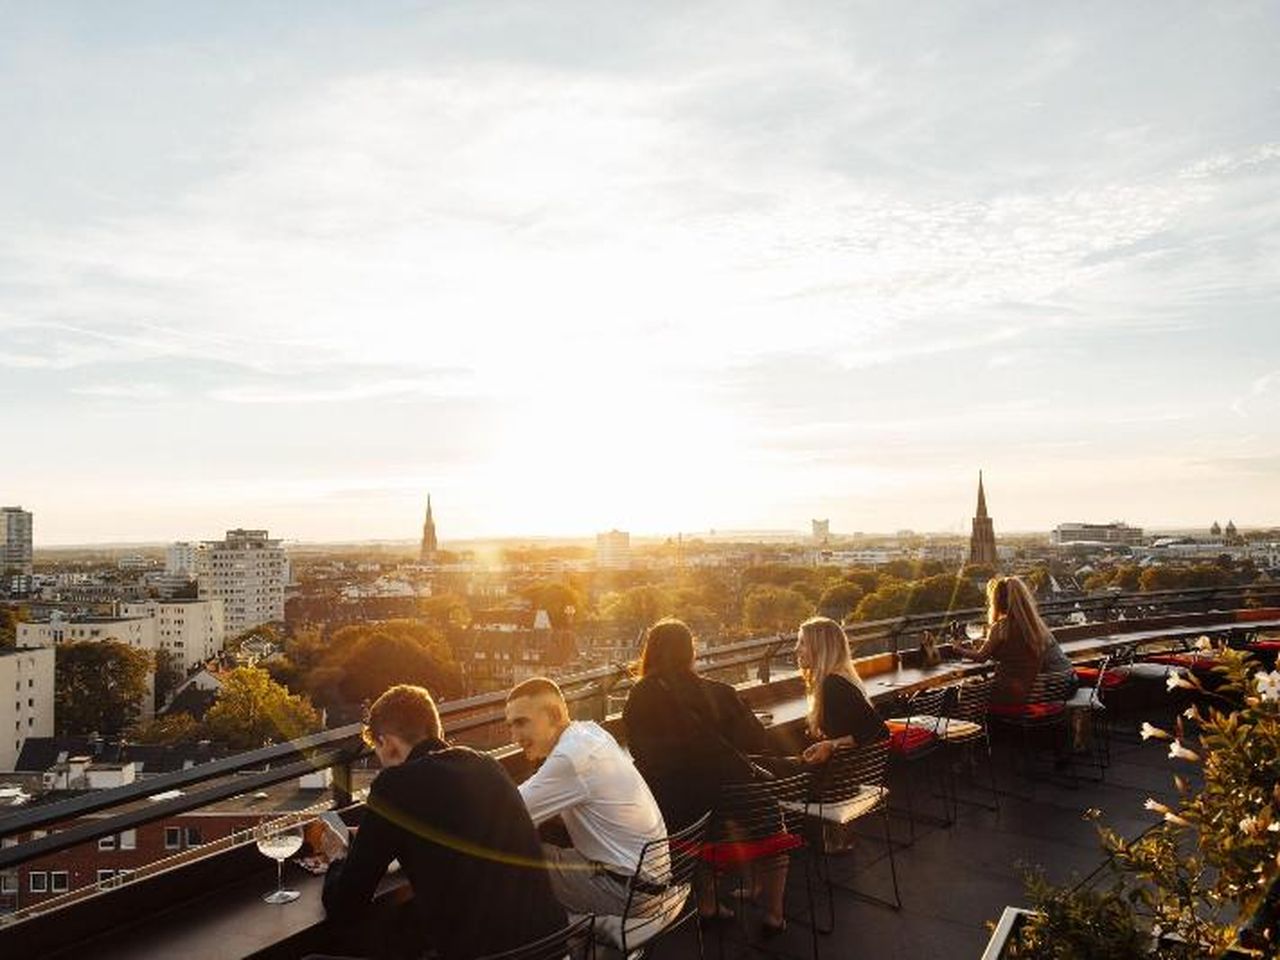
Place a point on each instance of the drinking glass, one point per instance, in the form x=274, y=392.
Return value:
x=975, y=630
x=279, y=842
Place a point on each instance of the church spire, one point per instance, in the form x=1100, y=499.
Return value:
x=429, y=546
x=982, y=541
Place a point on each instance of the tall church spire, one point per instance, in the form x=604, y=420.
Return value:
x=982, y=541
x=429, y=546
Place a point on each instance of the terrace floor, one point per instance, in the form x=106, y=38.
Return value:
x=955, y=879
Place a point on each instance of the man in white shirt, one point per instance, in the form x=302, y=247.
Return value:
x=588, y=781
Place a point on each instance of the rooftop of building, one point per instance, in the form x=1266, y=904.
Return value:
x=953, y=879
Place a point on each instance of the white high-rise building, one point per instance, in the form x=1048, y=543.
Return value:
x=182, y=558
x=26, y=700
x=15, y=541
x=248, y=572
x=193, y=630
x=613, y=550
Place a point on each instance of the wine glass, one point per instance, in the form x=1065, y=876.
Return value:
x=975, y=630
x=279, y=841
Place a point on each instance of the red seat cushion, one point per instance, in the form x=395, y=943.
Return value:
x=1268, y=646
x=1026, y=711
x=907, y=739
x=1188, y=660
x=726, y=854
x=1088, y=676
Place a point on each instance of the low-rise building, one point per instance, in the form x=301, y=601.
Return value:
x=1114, y=533
x=193, y=630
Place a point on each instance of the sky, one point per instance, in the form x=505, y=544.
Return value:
x=572, y=266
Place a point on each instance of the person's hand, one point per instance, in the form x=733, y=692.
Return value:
x=819, y=752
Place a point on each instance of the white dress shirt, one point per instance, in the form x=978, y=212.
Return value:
x=592, y=785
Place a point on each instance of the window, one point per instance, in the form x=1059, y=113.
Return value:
x=37, y=881
x=193, y=837
x=129, y=840
x=58, y=881
x=9, y=882
x=105, y=875
x=172, y=838
x=106, y=843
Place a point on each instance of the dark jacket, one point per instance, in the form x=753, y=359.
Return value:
x=688, y=735
x=846, y=712
x=455, y=821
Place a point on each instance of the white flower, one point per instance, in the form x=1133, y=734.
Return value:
x=1269, y=685
x=1176, y=679
x=1178, y=752
x=1148, y=731
x=1248, y=824
x=1155, y=805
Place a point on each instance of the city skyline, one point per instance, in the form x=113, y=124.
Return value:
x=723, y=267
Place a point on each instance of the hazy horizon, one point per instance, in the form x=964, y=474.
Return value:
x=573, y=266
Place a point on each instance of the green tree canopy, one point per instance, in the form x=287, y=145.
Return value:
x=172, y=728
x=558, y=599
x=10, y=617
x=776, y=609
x=636, y=607
x=934, y=594
x=839, y=600
x=99, y=686
x=252, y=710
x=360, y=661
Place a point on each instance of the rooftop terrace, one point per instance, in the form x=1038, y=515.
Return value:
x=206, y=902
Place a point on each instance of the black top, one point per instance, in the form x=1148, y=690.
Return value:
x=846, y=712
x=455, y=821
x=688, y=735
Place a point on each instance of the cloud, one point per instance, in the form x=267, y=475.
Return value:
x=285, y=394
x=124, y=391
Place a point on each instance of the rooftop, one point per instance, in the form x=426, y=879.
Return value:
x=953, y=880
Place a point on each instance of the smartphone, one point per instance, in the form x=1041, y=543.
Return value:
x=332, y=818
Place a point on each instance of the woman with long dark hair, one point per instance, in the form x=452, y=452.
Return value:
x=689, y=735
x=1018, y=640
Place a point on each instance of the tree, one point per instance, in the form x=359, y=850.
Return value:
x=935, y=594
x=775, y=609
x=839, y=600
x=270, y=632
x=445, y=610
x=9, y=620
x=252, y=710
x=172, y=728
x=169, y=675
x=558, y=599
x=636, y=607
x=360, y=661
x=99, y=686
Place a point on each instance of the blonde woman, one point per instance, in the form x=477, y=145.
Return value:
x=1018, y=640
x=840, y=714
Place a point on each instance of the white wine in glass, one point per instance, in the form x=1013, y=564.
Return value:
x=279, y=842
x=975, y=630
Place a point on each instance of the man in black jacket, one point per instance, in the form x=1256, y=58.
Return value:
x=456, y=823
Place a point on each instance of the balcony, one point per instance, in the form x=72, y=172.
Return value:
x=203, y=899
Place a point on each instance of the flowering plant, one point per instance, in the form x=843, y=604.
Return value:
x=1205, y=875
